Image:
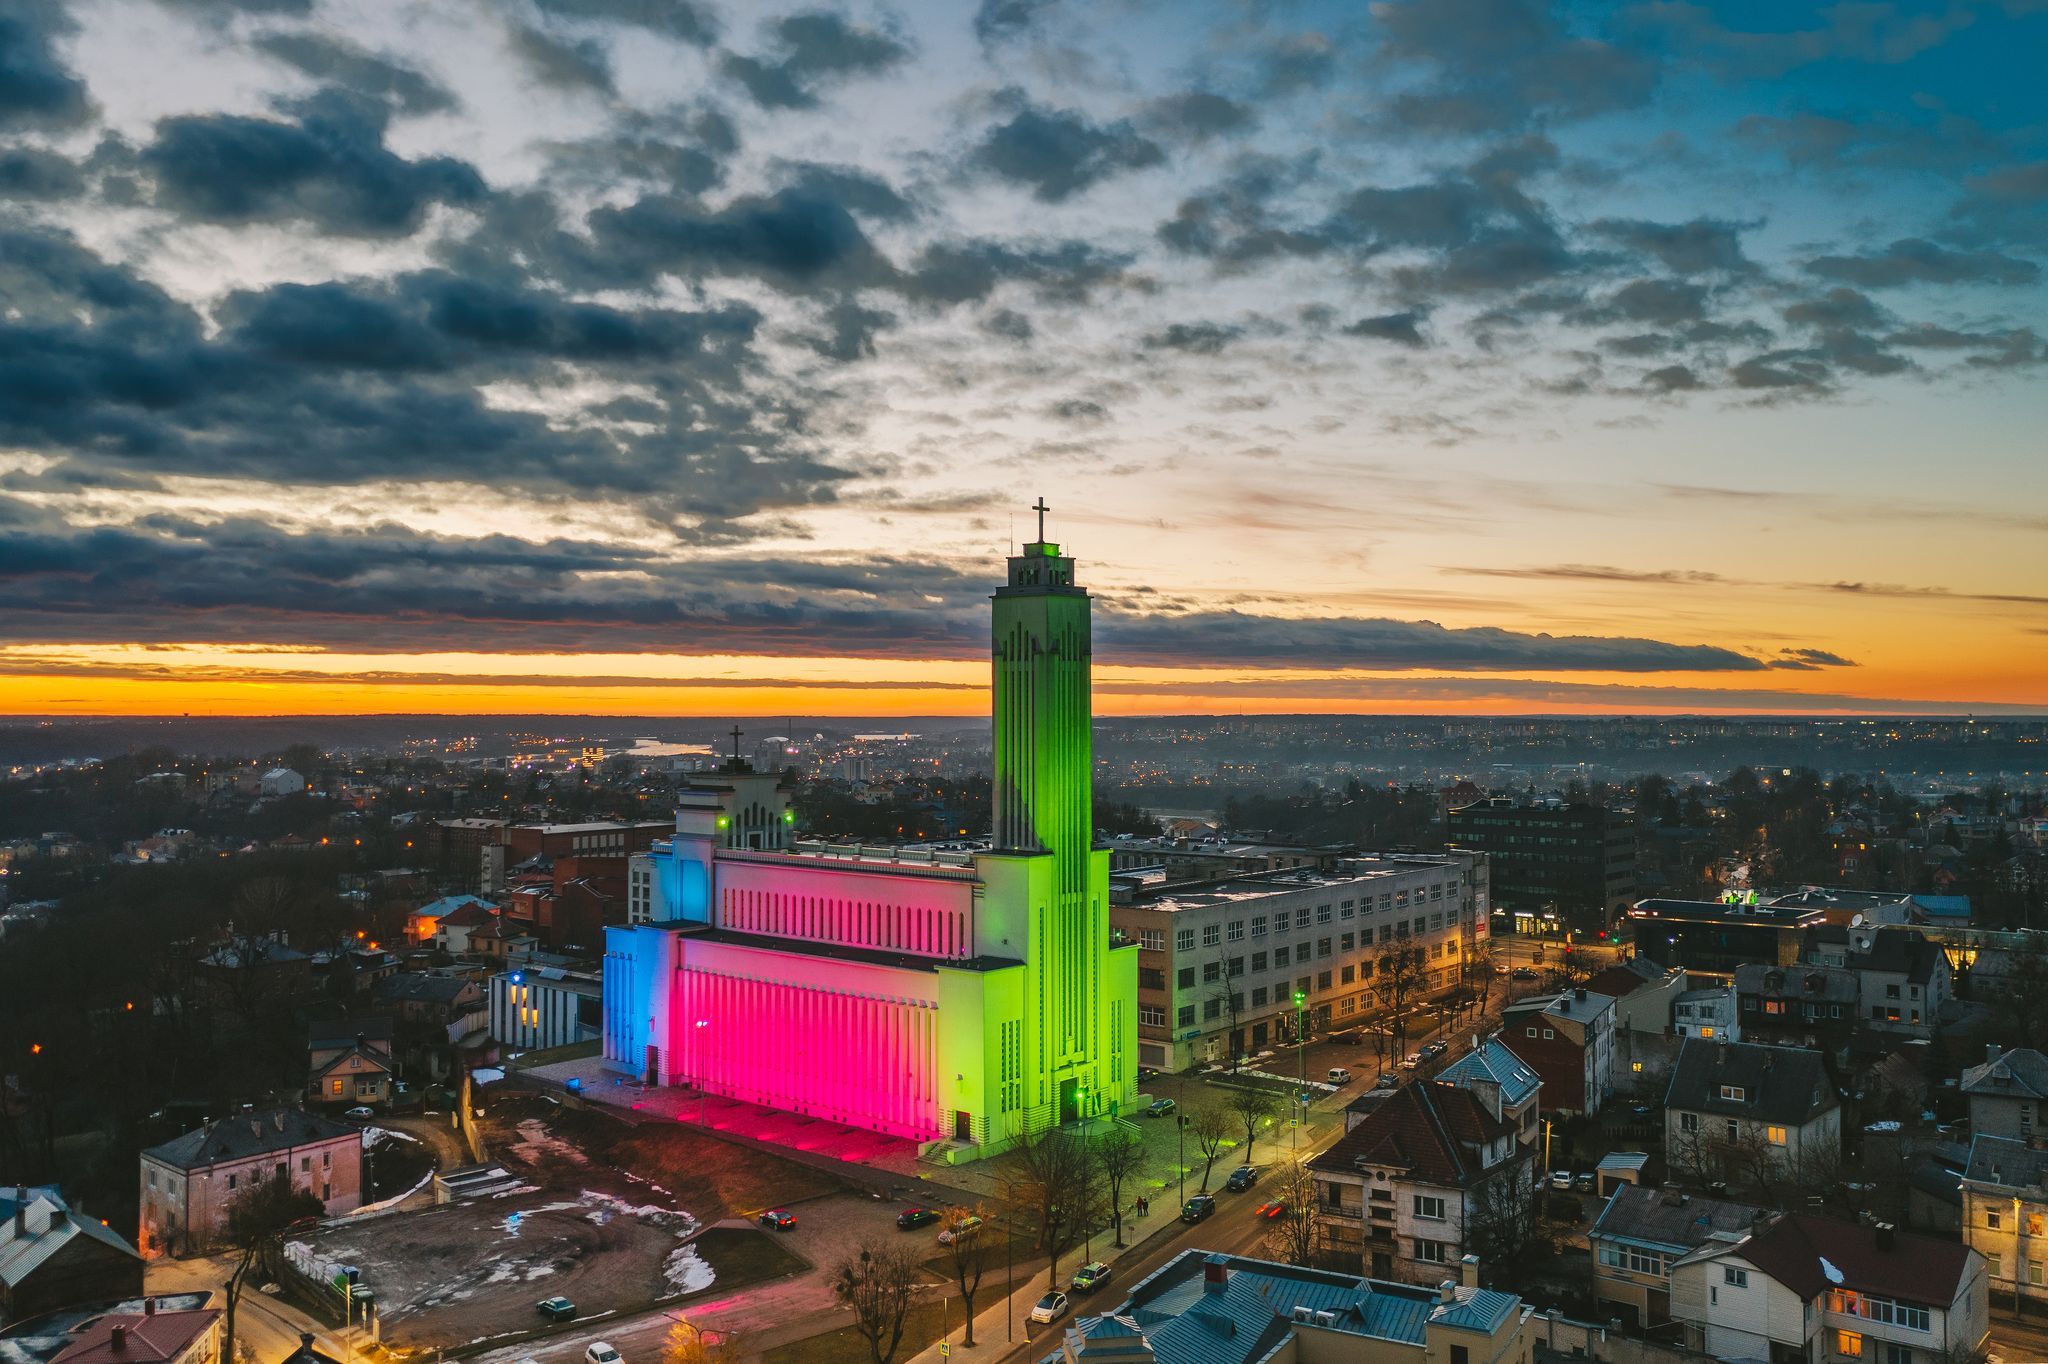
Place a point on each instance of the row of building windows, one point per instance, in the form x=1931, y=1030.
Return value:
x=1215, y=934
x=1850, y=1303
x=1213, y=972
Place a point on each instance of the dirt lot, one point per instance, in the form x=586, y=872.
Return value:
x=599, y=1217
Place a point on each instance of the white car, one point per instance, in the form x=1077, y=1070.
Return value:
x=1337, y=1075
x=601, y=1353
x=1561, y=1180
x=1049, y=1309
x=361, y=1113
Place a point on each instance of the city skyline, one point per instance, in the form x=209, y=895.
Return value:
x=1443, y=356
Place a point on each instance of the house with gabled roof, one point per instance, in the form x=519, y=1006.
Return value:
x=190, y=1182
x=1508, y=1086
x=147, y=1337
x=2004, y=1187
x=2008, y=1093
x=1822, y=1290
x=1420, y=1180
x=350, y=1062
x=52, y=1256
x=1205, y=1307
x=1735, y=1108
x=1641, y=1233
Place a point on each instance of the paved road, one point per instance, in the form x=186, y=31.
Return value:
x=267, y=1327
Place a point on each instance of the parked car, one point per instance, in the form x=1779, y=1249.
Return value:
x=1412, y=1060
x=1270, y=1211
x=960, y=1230
x=1387, y=1080
x=1434, y=1050
x=1337, y=1075
x=1198, y=1207
x=1049, y=1309
x=361, y=1113
x=1583, y=1181
x=1159, y=1108
x=1090, y=1277
x=910, y=1219
x=1561, y=1180
x=556, y=1309
x=1242, y=1178
x=600, y=1353
x=1524, y=973
x=779, y=1219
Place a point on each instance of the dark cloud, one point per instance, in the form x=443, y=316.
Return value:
x=1059, y=153
x=811, y=50
x=1501, y=65
x=326, y=58
x=28, y=173
x=1402, y=328
x=1197, y=116
x=1057, y=271
x=685, y=155
x=1233, y=225
x=791, y=239
x=1649, y=302
x=1809, y=660
x=1699, y=247
x=1198, y=338
x=562, y=62
x=36, y=88
x=1080, y=411
x=1010, y=325
x=1295, y=62
x=351, y=382
x=2009, y=349
x=329, y=169
x=1781, y=370
x=1881, y=33
x=1838, y=307
x=1914, y=260
x=679, y=19
x=1595, y=573
x=390, y=589
x=1480, y=234
x=861, y=192
x=852, y=332
x=1673, y=379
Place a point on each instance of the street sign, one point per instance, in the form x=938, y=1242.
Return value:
x=945, y=1349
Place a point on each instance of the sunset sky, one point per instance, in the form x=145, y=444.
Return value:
x=655, y=356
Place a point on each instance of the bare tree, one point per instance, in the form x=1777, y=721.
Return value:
x=1230, y=999
x=1690, y=1152
x=257, y=1217
x=1501, y=1219
x=969, y=1249
x=1296, y=1236
x=877, y=1283
x=1210, y=1126
x=1252, y=1106
x=1045, y=1179
x=1118, y=1155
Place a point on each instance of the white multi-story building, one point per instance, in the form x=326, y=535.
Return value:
x=1831, y=1292
x=1707, y=1014
x=1235, y=966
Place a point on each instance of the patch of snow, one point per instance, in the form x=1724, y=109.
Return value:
x=1888, y=1125
x=1835, y=1275
x=686, y=1270
x=372, y=1135
x=537, y=1145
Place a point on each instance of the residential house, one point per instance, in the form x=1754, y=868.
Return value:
x=1742, y=1111
x=1569, y=1041
x=1420, y=1181
x=1205, y=1307
x=147, y=1337
x=52, y=1256
x=1644, y=993
x=1903, y=979
x=1508, y=1086
x=424, y=924
x=349, y=1062
x=428, y=998
x=190, y=1182
x=1820, y=1291
x=1799, y=1005
x=2008, y=1093
x=1709, y=1015
x=452, y=930
x=1641, y=1233
x=2005, y=1213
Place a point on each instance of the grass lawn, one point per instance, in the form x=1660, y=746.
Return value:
x=743, y=1256
x=920, y=1328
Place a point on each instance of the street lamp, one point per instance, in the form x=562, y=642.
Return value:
x=1183, y=1120
x=703, y=1095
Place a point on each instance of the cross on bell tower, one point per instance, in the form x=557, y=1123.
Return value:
x=1040, y=507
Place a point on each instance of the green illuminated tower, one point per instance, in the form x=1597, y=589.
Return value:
x=1080, y=1013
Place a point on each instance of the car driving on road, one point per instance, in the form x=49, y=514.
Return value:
x=1090, y=1277
x=910, y=1219
x=1159, y=1108
x=556, y=1309
x=779, y=1219
x=1198, y=1207
x=1242, y=1178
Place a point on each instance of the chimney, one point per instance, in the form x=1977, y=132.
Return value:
x=1215, y=1273
x=306, y=1344
x=1447, y=1291
x=149, y=1307
x=1468, y=1271
x=117, y=1339
x=1887, y=1237
x=1579, y=994
x=278, y=1118
x=1991, y=1052
x=21, y=1214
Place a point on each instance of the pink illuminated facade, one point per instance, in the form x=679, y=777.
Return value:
x=959, y=998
